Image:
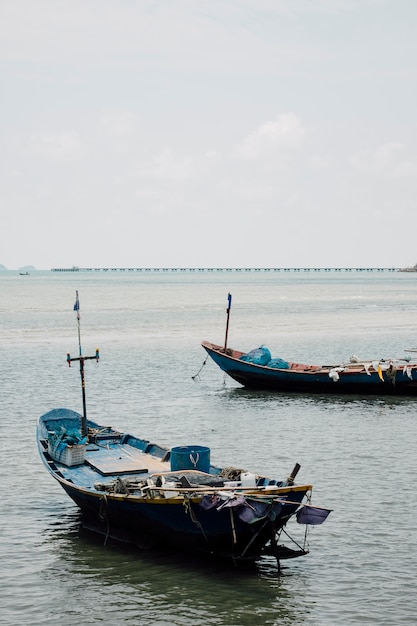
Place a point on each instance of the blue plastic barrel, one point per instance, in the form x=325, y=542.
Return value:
x=190, y=457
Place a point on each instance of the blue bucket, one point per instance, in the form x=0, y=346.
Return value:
x=190, y=457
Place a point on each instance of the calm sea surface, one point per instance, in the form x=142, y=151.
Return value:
x=359, y=453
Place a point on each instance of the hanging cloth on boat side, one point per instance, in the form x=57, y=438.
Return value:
x=232, y=503
x=248, y=509
x=391, y=373
x=334, y=373
x=312, y=515
x=255, y=510
x=210, y=501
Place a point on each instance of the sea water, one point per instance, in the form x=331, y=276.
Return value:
x=154, y=380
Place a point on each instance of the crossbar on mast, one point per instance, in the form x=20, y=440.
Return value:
x=81, y=359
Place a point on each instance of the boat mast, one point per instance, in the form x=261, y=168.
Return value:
x=81, y=359
x=229, y=306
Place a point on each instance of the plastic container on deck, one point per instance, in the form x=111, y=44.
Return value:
x=189, y=458
x=68, y=455
x=247, y=479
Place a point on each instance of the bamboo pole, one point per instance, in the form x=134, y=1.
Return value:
x=260, y=491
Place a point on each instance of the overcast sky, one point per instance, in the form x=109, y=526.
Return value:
x=208, y=133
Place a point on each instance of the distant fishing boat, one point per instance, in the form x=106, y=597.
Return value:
x=141, y=492
x=258, y=369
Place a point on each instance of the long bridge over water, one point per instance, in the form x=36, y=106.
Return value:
x=228, y=269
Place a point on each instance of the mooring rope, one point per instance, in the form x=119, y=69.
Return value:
x=296, y=542
x=103, y=516
x=188, y=509
x=198, y=373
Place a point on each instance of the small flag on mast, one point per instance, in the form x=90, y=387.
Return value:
x=77, y=305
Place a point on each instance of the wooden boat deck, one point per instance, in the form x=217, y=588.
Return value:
x=123, y=459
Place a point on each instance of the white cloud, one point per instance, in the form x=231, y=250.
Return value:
x=65, y=145
x=389, y=159
x=165, y=166
x=117, y=123
x=273, y=138
x=319, y=162
x=405, y=169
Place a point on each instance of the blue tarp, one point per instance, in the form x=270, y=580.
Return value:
x=258, y=356
x=66, y=437
x=262, y=356
x=280, y=363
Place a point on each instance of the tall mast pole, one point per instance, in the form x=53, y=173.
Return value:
x=229, y=306
x=81, y=359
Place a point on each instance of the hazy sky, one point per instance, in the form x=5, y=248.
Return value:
x=208, y=133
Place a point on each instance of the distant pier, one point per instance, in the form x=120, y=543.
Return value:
x=225, y=269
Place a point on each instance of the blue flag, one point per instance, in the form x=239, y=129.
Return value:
x=312, y=515
x=77, y=305
x=77, y=302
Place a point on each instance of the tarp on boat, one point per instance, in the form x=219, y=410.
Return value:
x=262, y=356
x=258, y=356
x=278, y=363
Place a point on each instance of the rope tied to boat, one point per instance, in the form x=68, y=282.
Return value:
x=197, y=376
x=103, y=515
x=94, y=434
x=189, y=509
x=232, y=522
x=231, y=473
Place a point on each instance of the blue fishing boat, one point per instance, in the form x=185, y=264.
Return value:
x=146, y=494
x=258, y=369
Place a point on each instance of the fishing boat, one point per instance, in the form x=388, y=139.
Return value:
x=147, y=494
x=258, y=369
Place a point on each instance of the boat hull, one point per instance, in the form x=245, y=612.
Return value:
x=150, y=510
x=315, y=379
x=161, y=525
